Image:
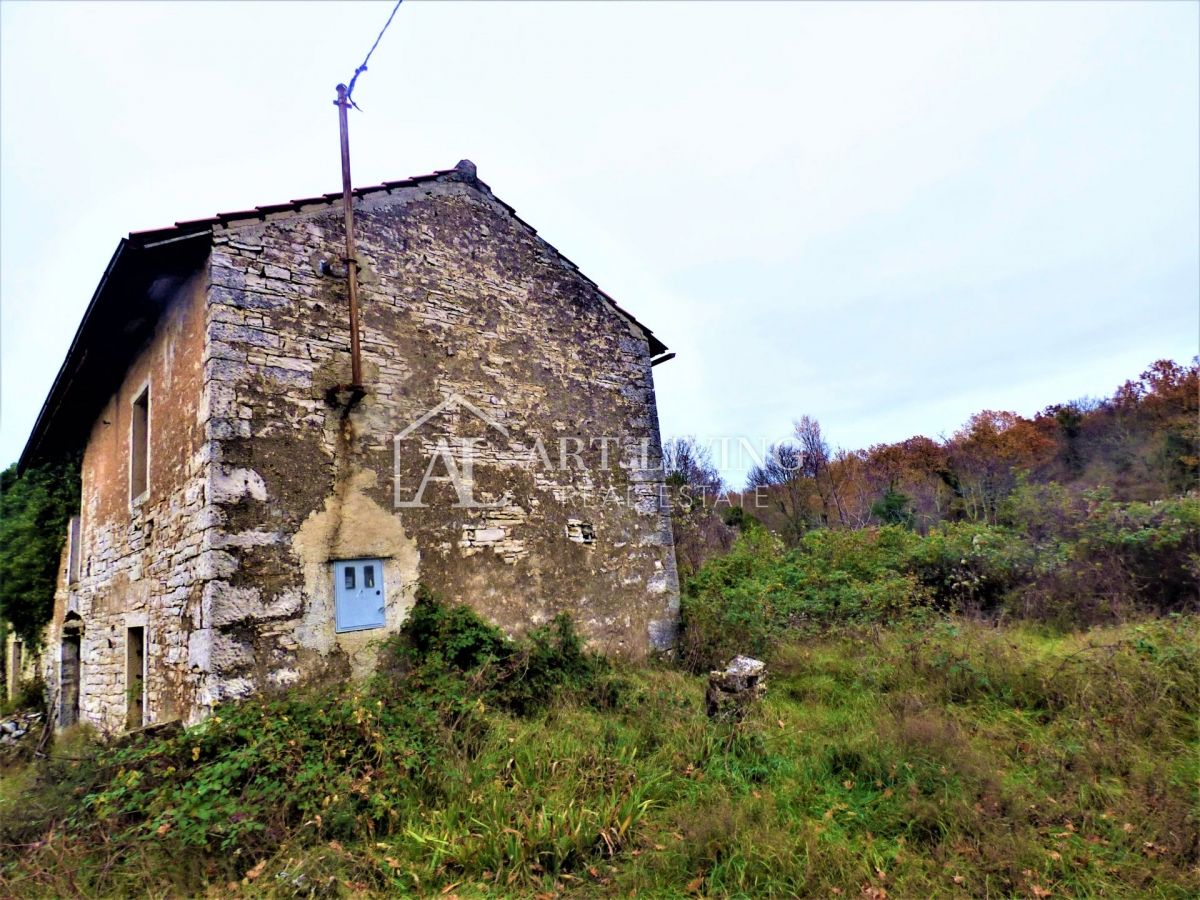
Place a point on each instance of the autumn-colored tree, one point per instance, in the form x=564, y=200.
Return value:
x=1143, y=444
x=987, y=453
x=915, y=468
x=816, y=460
x=694, y=491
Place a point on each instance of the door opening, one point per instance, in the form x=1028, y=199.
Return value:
x=15, y=663
x=68, y=712
x=135, y=677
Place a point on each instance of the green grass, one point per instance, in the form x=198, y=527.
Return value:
x=953, y=761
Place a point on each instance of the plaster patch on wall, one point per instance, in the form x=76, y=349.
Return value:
x=231, y=486
x=353, y=526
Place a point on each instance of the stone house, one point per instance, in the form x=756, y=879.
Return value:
x=247, y=521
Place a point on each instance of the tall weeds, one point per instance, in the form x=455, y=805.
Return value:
x=957, y=759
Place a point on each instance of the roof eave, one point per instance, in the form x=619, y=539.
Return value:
x=122, y=266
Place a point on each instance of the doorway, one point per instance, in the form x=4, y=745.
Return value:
x=68, y=712
x=135, y=676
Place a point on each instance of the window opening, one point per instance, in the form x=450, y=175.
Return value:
x=73, y=553
x=139, y=463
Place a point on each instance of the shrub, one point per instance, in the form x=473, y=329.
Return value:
x=746, y=601
x=520, y=676
x=972, y=567
x=1070, y=560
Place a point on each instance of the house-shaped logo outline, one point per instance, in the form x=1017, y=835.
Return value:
x=453, y=400
x=464, y=486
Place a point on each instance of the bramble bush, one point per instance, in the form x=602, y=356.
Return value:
x=1068, y=560
x=518, y=676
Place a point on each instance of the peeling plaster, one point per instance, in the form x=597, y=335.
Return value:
x=353, y=526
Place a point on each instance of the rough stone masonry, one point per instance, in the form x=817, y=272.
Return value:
x=505, y=454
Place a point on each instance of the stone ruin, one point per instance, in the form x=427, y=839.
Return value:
x=731, y=692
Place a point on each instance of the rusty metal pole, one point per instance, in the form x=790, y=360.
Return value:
x=351, y=258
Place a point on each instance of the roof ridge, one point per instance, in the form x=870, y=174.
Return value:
x=463, y=172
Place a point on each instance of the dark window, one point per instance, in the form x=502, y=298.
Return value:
x=139, y=461
x=74, y=551
x=368, y=576
x=349, y=570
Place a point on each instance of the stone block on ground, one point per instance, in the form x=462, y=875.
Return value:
x=731, y=692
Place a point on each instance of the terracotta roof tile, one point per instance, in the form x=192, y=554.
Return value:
x=259, y=211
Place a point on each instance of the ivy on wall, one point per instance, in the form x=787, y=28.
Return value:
x=35, y=509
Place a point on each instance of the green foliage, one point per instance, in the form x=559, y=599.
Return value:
x=894, y=508
x=1176, y=458
x=34, y=511
x=392, y=758
x=950, y=760
x=1073, y=560
x=518, y=676
x=747, y=600
x=455, y=634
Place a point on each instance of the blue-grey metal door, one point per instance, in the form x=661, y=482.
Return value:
x=358, y=591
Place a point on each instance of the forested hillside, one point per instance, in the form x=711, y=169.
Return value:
x=1140, y=444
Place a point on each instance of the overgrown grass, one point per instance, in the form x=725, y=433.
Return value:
x=956, y=760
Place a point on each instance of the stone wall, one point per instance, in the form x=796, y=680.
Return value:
x=464, y=311
x=264, y=469
x=144, y=563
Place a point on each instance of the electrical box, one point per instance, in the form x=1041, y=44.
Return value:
x=358, y=592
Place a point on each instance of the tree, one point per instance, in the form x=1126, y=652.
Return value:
x=782, y=479
x=914, y=466
x=894, y=508
x=688, y=464
x=830, y=481
x=35, y=508
x=986, y=454
x=694, y=489
x=782, y=464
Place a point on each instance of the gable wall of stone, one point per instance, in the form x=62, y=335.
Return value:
x=459, y=300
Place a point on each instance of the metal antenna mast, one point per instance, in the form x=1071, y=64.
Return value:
x=343, y=103
x=351, y=258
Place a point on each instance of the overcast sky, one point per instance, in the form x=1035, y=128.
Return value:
x=884, y=215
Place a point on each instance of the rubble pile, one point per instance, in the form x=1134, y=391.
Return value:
x=18, y=725
x=731, y=692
